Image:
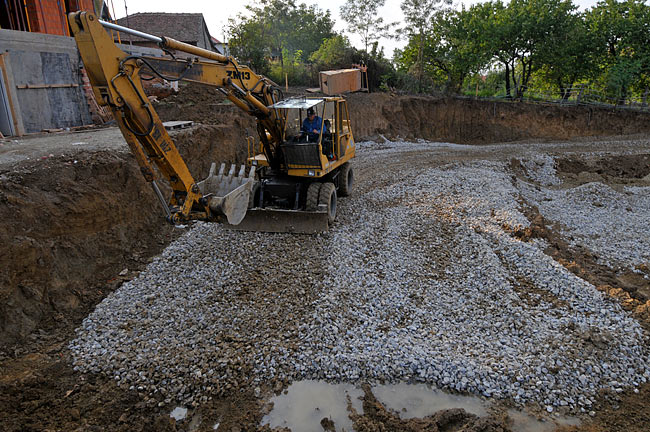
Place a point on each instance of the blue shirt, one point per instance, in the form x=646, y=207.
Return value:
x=309, y=126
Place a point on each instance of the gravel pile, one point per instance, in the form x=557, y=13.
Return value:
x=614, y=225
x=419, y=280
x=541, y=169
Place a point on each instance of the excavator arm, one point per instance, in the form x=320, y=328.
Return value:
x=116, y=80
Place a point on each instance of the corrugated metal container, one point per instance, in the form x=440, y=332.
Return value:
x=340, y=81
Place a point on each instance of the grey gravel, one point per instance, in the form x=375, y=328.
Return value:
x=420, y=280
x=615, y=225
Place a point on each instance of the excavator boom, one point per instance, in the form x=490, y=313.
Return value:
x=115, y=79
x=292, y=182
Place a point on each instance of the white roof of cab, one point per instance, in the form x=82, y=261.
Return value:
x=303, y=103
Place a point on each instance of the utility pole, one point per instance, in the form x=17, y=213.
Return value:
x=126, y=11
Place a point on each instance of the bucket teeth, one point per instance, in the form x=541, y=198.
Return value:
x=222, y=183
x=229, y=193
x=232, y=170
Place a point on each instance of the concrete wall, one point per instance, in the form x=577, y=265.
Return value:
x=41, y=59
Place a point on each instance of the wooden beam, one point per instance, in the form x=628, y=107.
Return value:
x=18, y=125
x=45, y=86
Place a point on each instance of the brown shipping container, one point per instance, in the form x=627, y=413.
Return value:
x=340, y=81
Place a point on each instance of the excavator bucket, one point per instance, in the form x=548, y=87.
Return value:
x=228, y=195
x=284, y=221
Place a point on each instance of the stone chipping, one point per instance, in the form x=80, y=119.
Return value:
x=591, y=216
x=419, y=280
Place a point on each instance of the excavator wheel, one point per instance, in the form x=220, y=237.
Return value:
x=327, y=197
x=346, y=180
x=312, y=196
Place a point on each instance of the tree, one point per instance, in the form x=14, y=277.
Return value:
x=623, y=43
x=247, y=43
x=450, y=50
x=278, y=28
x=518, y=34
x=455, y=46
x=569, y=56
x=544, y=27
x=334, y=52
x=418, y=16
x=362, y=18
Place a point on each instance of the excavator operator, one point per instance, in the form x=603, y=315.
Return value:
x=311, y=130
x=312, y=123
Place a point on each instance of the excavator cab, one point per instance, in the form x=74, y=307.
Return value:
x=313, y=153
x=301, y=196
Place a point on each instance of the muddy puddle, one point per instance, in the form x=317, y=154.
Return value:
x=306, y=403
x=309, y=405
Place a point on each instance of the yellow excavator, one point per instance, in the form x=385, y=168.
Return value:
x=294, y=177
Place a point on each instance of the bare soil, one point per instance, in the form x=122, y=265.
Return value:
x=74, y=217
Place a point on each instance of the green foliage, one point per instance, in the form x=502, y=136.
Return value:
x=293, y=69
x=501, y=48
x=568, y=57
x=523, y=33
x=363, y=19
x=335, y=52
x=489, y=85
x=247, y=43
x=378, y=65
x=622, y=40
x=278, y=28
x=418, y=15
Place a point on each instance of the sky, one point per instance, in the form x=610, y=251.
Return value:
x=217, y=12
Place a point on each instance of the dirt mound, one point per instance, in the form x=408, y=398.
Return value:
x=53, y=398
x=610, y=167
x=67, y=226
x=71, y=223
x=469, y=121
x=199, y=103
x=464, y=121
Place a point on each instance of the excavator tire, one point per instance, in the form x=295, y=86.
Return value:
x=327, y=197
x=312, y=196
x=346, y=180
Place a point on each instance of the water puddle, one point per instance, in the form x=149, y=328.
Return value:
x=420, y=400
x=306, y=403
x=522, y=422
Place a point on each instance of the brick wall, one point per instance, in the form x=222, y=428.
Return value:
x=99, y=114
x=50, y=16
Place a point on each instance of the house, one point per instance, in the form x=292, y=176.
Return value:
x=184, y=27
x=221, y=47
x=41, y=76
x=42, y=16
